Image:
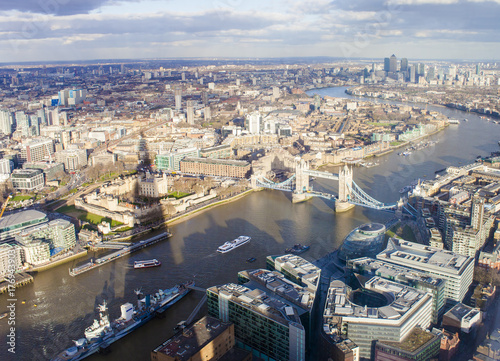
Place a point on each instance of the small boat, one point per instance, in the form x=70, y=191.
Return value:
x=251, y=259
x=147, y=263
x=405, y=189
x=3, y=315
x=296, y=249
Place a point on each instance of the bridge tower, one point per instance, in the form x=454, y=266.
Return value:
x=345, y=189
x=301, y=181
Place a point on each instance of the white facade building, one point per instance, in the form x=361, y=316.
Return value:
x=455, y=269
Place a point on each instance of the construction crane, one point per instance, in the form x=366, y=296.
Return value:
x=5, y=204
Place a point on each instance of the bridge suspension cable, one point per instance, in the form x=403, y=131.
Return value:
x=287, y=185
x=361, y=198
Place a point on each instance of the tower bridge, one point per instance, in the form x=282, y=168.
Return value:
x=349, y=194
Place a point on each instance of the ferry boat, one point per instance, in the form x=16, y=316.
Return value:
x=453, y=121
x=235, y=243
x=297, y=248
x=147, y=263
x=104, y=332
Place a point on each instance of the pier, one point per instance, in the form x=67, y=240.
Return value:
x=20, y=279
x=196, y=310
x=124, y=250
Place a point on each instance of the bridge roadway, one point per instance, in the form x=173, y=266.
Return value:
x=318, y=174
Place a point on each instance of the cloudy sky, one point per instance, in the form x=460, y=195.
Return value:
x=45, y=30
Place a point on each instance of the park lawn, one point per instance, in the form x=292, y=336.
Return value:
x=20, y=198
x=178, y=195
x=96, y=219
x=395, y=144
x=124, y=229
x=71, y=211
x=84, y=216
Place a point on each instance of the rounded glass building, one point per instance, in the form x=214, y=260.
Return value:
x=365, y=241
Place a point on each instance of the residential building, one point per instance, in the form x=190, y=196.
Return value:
x=37, y=150
x=6, y=122
x=10, y=259
x=219, y=152
x=59, y=234
x=72, y=96
x=254, y=122
x=215, y=167
x=5, y=166
x=455, y=269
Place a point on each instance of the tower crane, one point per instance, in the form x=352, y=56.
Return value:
x=5, y=204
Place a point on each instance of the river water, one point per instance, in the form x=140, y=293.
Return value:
x=58, y=307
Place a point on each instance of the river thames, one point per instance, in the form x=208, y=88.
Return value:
x=58, y=307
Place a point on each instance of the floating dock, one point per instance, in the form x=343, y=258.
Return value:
x=120, y=253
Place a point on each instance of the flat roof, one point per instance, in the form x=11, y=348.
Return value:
x=259, y=301
x=383, y=268
x=188, y=342
x=277, y=283
x=404, y=301
x=236, y=163
x=423, y=257
x=415, y=339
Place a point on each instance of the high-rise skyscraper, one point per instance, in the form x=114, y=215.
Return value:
x=254, y=123
x=413, y=73
x=387, y=64
x=404, y=64
x=6, y=121
x=178, y=99
x=421, y=69
x=207, y=113
x=190, y=112
x=393, y=64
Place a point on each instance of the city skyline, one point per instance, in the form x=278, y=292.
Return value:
x=59, y=30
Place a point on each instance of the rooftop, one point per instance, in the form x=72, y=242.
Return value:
x=402, y=299
x=299, y=267
x=277, y=283
x=20, y=218
x=188, y=342
x=417, y=255
x=259, y=301
x=416, y=339
x=386, y=269
x=26, y=173
x=461, y=312
x=236, y=163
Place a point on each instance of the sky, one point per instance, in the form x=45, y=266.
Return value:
x=64, y=30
